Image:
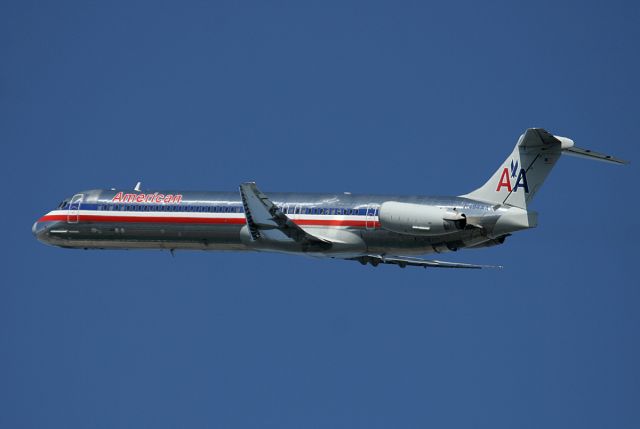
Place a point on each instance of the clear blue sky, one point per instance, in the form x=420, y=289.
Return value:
x=396, y=97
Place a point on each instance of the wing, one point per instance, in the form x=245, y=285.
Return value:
x=264, y=216
x=404, y=261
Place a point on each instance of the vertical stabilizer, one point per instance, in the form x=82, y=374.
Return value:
x=521, y=175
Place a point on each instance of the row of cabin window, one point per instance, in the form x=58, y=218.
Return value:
x=169, y=208
x=328, y=211
x=235, y=209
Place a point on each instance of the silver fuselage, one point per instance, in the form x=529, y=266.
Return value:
x=120, y=219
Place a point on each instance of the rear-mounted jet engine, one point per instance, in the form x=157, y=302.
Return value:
x=419, y=219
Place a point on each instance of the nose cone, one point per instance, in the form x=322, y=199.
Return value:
x=39, y=230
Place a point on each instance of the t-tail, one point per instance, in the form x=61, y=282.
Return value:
x=522, y=174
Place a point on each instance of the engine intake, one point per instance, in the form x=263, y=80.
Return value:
x=419, y=219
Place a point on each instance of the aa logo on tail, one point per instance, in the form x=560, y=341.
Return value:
x=521, y=180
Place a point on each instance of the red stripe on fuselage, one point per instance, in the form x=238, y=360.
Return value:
x=201, y=220
x=144, y=219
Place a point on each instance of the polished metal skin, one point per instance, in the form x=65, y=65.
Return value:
x=78, y=225
x=367, y=228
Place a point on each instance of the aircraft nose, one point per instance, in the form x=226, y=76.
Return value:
x=39, y=230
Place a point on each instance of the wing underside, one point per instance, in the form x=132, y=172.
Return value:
x=264, y=217
x=408, y=261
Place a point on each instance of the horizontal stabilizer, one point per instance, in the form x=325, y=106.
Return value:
x=586, y=153
x=521, y=175
x=404, y=261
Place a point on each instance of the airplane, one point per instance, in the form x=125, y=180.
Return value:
x=370, y=229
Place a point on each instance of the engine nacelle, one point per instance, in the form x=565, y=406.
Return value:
x=419, y=219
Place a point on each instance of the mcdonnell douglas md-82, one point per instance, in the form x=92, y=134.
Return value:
x=374, y=229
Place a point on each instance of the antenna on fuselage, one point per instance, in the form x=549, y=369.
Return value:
x=137, y=188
